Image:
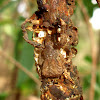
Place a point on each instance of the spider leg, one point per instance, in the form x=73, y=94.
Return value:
x=25, y=34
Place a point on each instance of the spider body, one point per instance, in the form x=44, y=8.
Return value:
x=51, y=62
x=53, y=38
x=50, y=52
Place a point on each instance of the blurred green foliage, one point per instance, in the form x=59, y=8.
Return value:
x=88, y=58
x=10, y=24
x=3, y=96
x=90, y=6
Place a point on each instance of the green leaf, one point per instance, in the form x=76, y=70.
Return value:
x=27, y=60
x=3, y=96
x=86, y=80
x=88, y=58
x=6, y=21
x=97, y=86
x=18, y=44
x=98, y=77
x=90, y=7
x=6, y=6
x=28, y=87
x=2, y=1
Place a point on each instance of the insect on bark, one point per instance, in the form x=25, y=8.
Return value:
x=51, y=61
x=54, y=38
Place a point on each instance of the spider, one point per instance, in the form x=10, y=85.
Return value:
x=49, y=39
x=50, y=62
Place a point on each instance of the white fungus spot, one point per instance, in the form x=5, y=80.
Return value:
x=63, y=52
x=42, y=34
x=59, y=30
x=36, y=59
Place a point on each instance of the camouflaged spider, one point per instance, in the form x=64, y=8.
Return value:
x=50, y=39
x=49, y=60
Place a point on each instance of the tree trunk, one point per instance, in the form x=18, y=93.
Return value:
x=54, y=39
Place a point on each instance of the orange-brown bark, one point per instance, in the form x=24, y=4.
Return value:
x=54, y=39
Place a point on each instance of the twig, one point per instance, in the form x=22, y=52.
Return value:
x=12, y=60
x=93, y=49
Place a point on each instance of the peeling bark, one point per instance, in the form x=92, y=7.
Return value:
x=54, y=39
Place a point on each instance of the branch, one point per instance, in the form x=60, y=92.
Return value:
x=58, y=36
x=93, y=49
x=12, y=60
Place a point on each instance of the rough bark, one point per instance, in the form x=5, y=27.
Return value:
x=54, y=39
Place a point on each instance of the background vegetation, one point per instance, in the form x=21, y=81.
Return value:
x=15, y=52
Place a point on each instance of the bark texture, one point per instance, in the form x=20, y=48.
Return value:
x=54, y=38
